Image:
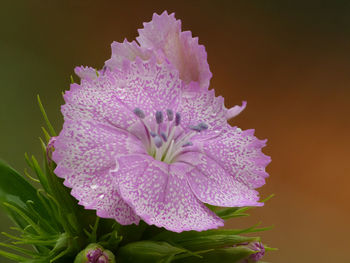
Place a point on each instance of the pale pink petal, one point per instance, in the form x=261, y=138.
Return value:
x=85, y=152
x=112, y=97
x=86, y=72
x=99, y=102
x=213, y=185
x=160, y=195
x=199, y=105
x=148, y=85
x=239, y=153
x=127, y=51
x=234, y=111
x=163, y=35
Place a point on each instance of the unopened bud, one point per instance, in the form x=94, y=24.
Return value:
x=49, y=149
x=95, y=253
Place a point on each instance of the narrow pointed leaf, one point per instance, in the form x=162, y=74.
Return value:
x=48, y=123
x=214, y=241
x=14, y=189
x=223, y=255
x=147, y=251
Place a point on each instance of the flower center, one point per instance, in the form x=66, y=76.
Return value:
x=166, y=139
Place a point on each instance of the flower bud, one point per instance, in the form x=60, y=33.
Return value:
x=255, y=257
x=50, y=148
x=95, y=253
x=259, y=247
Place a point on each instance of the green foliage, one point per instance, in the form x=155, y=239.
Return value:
x=148, y=251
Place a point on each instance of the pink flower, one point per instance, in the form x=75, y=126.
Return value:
x=144, y=138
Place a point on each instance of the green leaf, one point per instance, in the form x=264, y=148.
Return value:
x=12, y=256
x=40, y=174
x=214, y=241
x=15, y=190
x=148, y=251
x=187, y=235
x=48, y=123
x=18, y=249
x=223, y=255
x=231, y=212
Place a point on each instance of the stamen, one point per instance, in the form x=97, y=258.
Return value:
x=170, y=114
x=139, y=113
x=167, y=141
x=177, y=119
x=163, y=135
x=159, y=117
x=158, y=141
x=203, y=126
x=200, y=127
x=187, y=144
x=196, y=128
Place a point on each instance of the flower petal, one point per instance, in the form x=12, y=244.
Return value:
x=163, y=35
x=159, y=193
x=148, y=85
x=86, y=72
x=234, y=111
x=199, y=105
x=126, y=51
x=98, y=102
x=85, y=152
x=239, y=153
x=112, y=97
x=213, y=185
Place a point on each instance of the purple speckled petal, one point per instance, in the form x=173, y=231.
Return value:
x=126, y=51
x=85, y=152
x=112, y=97
x=234, y=111
x=160, y=195
x=239, y=153
x=148, y=85
x=214, y=186
x=86, y=72
x=163, y=35
x=97, y=101
x=199, y=105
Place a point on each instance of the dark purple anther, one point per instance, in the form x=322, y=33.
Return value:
x=170, y=114
x=177, y=119
x=163, y=135
x=159, y=117
x=200, y=127
x=203, y=126
x=158, y=141
x=139, y=113
x=196, y=128
x=153, y=134
x=187, y=144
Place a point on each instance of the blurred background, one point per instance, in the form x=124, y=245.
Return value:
x=289, y=59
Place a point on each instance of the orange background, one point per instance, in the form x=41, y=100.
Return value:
x=288, y=59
